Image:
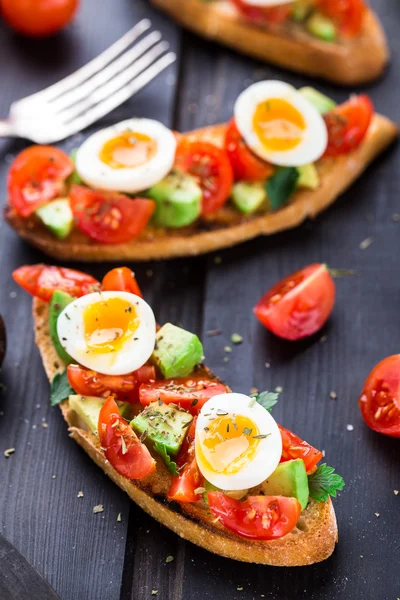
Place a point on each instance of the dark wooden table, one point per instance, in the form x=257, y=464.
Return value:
x=90, y=556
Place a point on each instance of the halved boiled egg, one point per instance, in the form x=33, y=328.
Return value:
x=280, y=125
x=110, y=332
x=238, y=443
x=130, y=156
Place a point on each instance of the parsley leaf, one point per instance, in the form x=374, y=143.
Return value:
x=267, y=399
x=60, y=388
x=281, y=186
x=162, y=451
x=324, y=482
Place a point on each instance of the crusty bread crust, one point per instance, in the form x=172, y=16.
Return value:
x=336, y=175
x=313, y=540
x=350, y=62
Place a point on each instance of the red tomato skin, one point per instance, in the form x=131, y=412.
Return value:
x=348, y=14
x=43, y=280
x=124, y=387
x=190, y=393
x=121, y=279
x=245, y=164
x=294, y=447
x=109, y=217
x=299, y=305
x=272, y=15
x=38, y=18
x=348, y=125
x=135, y=462
x=380, y=399
x=258, y=517
x=211, y=167
x=36, y=176
x=183, y=486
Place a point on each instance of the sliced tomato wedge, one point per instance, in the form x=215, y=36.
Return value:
x=245, y=164
x=121, y=279
x=183, y=486
x=43, y=280
x=37, y=176
x=274, y=15
x=191, y=393
x=258, y=517
x=348, y=14
x=348, y=124
x=380, y=399
x=124, y=387
x=109, y=217
x=211, y=167
x=123, y=448
x=294, y=447
x=299, y=305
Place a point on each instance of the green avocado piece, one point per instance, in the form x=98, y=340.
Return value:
x=248, y=196
x=322, y=103
x=57, y=216
x=178, y=200
x=176, y=351
x=58, y=302
x=165, y=424
x=74, y=178
x=288, y=479
x=321, y=27
x=88, y=409
x=308, y=176
x=301, y=10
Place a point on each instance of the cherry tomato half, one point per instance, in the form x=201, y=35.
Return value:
x=299, y=305
x=294, y=447
x=43, y=280
x=264, y=14
x=124, y=387
x=211, y=167
x=121, y=279
x=188, y=392
x=183, y=486
x=38, y=18
x=245, y=164
x=108, y=217
x=348, y=124
x=348, y=14
x=258, y=517
x=37, y=176
x=380, y=398
x=123, y=448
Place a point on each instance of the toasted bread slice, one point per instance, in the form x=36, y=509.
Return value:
x=228, y=227
x=313, y=539
x=348, y=62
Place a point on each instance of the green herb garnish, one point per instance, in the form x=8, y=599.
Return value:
x=281, y=186
x=162, y=451
x=324, y=482
x=266, y=399
x=60, y=389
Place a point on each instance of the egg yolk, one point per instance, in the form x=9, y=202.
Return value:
x=108, y=324
x=128, y=150
x=228, y=443
x=278, y=125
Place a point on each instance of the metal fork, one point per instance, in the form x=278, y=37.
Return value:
x=92, y=91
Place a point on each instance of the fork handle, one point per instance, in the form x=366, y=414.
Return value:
x=6, y=129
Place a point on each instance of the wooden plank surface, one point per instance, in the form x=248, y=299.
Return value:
x=93, y=557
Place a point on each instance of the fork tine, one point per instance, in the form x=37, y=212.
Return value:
x=114, y=85
x=93, y=66
x=121, y=96
x=89, y=86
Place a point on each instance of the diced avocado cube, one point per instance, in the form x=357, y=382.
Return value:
x=308, y=176
x=74, y=178
x=288, y=479
x=321, y=27
x=322, y=103
x=248, y=196
x=88, y=409
x=301, y=10
x=58, y=302
x=57, y=216
x=176, y=351
x=165, y=423
x=178, y=200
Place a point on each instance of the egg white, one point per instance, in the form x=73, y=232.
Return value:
x=315, y=135
x=134, y=353
x=95, y=173
x=267, y=454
